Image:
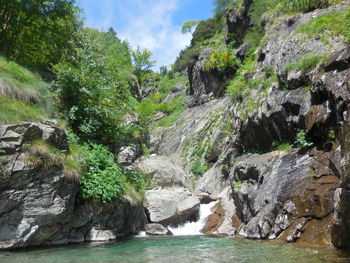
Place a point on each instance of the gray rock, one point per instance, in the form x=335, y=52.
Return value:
x=161, y=170
x=156, y=230
x=127, y=155
x=171, y=206
x=204, y=84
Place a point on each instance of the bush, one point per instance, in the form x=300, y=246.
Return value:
x=222, y=60
x=198, y=169
x=186, y=57
x=301, y=140
x=206, y=29
x=104, y=179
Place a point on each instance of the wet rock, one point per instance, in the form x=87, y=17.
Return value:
x=156, y=230
x=171, y=206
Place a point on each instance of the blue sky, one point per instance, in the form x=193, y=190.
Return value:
x=152, y=24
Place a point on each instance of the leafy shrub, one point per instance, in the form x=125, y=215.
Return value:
x=104, y=179
x=198, y=169
x=222, y=61
x=301, y=140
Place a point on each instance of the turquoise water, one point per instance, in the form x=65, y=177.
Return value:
x=177, y=249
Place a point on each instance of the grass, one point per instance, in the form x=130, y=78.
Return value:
x=330, y=25
x=284, y=147
x=45, y=154
x=15, y=111
x=306, y=63
x=23, y=95
x=21, y=84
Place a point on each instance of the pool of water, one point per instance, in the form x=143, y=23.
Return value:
x=189, y=249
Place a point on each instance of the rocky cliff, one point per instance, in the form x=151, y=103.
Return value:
x=39, y=203
x=298, y=194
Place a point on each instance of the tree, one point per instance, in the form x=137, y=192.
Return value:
x=163, y=70
x=142, y=63
x=188, y=26
x=220, y=6
x=37, y=32
x=93, y=86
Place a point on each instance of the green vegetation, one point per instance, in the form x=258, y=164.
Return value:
x=306, y=5
x=301, y=140
x=222, y=61
x=285, y=147
x=198, y=169
x=189, y=25
x=220, y=6
x=92, y=95
x=104, y=179
x=330, y=24
x=306, y=63
x=38, y=33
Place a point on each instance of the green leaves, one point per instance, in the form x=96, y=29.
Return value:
x=38, y=33
x=301, y=140
x=104, y=179
x=93, y=86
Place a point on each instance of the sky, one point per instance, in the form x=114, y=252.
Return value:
x=151, y=24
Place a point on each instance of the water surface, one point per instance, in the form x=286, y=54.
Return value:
x=187, y=249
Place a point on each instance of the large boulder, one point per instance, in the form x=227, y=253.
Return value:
x=171, y=206
x=156, y=230
x=237, y=22
x=162, y=171
x=93, y=222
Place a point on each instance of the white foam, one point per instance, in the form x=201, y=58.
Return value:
x=193, y=228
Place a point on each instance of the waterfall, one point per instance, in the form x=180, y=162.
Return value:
x=193, y=228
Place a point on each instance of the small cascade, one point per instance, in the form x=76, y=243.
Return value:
x=193, y=228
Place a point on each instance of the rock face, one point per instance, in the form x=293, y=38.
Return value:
x=204, y=84
x=237, y=22
x=156, y=230
x=276, y=191
x=173, y=206
x=162, y=171
x=38, y=200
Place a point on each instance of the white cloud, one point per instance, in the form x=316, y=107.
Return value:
x=149, y=25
